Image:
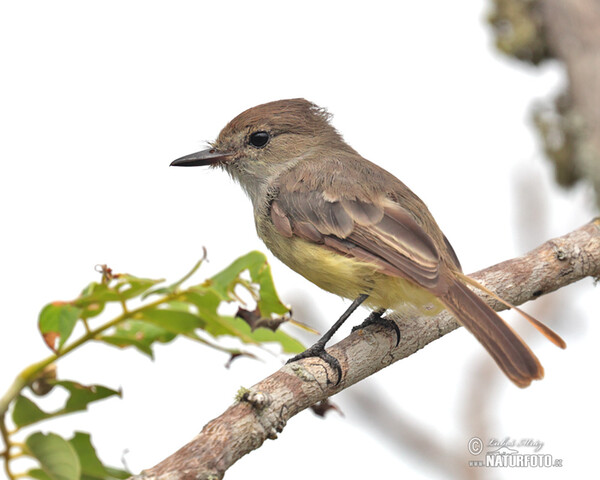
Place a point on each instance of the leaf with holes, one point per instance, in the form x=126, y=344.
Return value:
x=80, y=396
x=129, y=286
x=256, y=264
x=26, y=411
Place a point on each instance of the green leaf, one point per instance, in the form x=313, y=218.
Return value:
x=269, y=302
x=129, y=286
x=56, y=321
x=177, y=305
x=121, y=288
x=57, y=457
x=217, y=325
x=207, y=303
x=82, y=395
x=117, y=473
x=224, y=281
x=38, y=474
x=138, y=334
x=97, y=293
x=91, y=466
x=207, y=298
x=26, y=412
x=256, y=263
x=174, y=321
x=93, y=298
x=158, y=291
x=263, y=335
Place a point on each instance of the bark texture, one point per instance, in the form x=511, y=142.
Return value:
x=262, y=411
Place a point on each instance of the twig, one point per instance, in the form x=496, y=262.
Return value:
x=263, y=411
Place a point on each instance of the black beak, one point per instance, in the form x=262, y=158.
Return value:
x=205, y=157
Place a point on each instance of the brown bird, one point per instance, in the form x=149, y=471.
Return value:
x=354, y=229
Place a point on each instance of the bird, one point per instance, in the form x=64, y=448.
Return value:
x=354, y=229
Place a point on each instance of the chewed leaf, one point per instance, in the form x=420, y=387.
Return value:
x=57, y=457
x=120, y=288
x=260, y=272
x=129, y=286
x=224, y=282
x=205, y=301
x=82, y=395
x=97, y=293
x=56, y=322
x=158, y=291
x=26, y=412
x=269, y=302
x=217, y=325
x=176, y=311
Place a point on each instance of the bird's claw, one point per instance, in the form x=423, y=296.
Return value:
x=377, y=318
x=318, y=350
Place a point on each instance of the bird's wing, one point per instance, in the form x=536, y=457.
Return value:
x=379, y=231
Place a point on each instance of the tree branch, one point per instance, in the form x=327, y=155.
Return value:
x=573, y=36
x=567, y=30
x=263, y=411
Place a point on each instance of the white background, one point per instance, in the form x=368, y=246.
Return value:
x=97, y=98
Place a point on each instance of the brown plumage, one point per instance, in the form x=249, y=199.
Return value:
x=383, y=233
x=353, y=228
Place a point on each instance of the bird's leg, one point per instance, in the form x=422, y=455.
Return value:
x=318, y=349
x=376, y=317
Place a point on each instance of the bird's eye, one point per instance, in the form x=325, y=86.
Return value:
x=259, y=139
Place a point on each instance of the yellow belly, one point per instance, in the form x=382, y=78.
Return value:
x=348, y=277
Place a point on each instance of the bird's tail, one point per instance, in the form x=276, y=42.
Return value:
x=505, y=346
x=543, y=329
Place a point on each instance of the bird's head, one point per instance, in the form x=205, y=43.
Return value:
x=267, y=139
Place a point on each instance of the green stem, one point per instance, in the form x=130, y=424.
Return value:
x=28, y=374
x=31, y=372
x=191, y=272
x=7, y=444
x=86, y=325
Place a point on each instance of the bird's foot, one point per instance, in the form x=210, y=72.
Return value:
x=377, y=318
x=318, y=350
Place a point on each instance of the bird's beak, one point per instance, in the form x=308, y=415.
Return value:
x=205, y=157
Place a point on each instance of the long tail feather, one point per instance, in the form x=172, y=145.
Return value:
x=543, y=329
x=509, y=351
